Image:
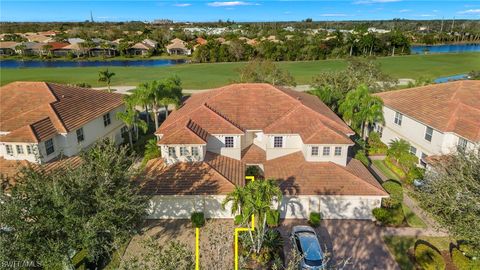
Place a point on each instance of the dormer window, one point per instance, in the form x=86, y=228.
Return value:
x=183, y=151
x=19, y=149
x=338, y=151
x=229, y=142
x=278, y=142
x=314, y=150
x=9, y=149
x=326, y=151
x=194, y=151
x=172, y=152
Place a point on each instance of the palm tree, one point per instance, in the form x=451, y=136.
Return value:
x=360, y=109
x=130, y=118
x=151, y=150
x=105, y=76
x=21, y=47
x=256, y=198
x=399, y=150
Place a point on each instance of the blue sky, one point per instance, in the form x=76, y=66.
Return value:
x=183, y=10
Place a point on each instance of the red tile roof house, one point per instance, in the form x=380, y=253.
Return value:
x=41, y=122
x=435, y=119
x=293, y=137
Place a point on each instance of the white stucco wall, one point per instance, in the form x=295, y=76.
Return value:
x=341, y=159
x=181, y=207
x=216, y=144
x=201, y=151
x=15, y=156
x=330, y=206
x=291, y=144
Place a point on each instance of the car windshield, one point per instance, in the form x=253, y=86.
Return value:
x=310, y=248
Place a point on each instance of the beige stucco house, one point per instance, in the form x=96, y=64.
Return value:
x=435, y=119
x=41, y=122
x=292, y=137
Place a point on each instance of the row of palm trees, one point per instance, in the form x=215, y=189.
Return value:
x=152, y=97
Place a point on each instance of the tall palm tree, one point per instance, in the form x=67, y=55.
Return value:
x=105, y=76
x=360, y=109
x=130, y=118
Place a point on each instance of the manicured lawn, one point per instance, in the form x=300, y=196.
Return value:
x=202, y=76
x=399, y=246
x=412, y=219
x=385, y=170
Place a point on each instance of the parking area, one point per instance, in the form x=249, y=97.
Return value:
x=357, y=242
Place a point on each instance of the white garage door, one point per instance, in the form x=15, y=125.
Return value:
x=182, y=207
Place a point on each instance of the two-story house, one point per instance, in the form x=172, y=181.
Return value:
x=41, y=122
x=436, y=119
x=293, y=137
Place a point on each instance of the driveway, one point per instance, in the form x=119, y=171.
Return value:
x=358, y=243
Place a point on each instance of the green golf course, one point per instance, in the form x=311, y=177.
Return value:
x=208, y=75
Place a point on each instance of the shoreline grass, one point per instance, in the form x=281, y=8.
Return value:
x=210, y=75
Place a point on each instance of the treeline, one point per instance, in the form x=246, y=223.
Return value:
x=304, y=47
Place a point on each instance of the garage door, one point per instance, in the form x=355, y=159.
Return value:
x=294, y=207
x=334, y=207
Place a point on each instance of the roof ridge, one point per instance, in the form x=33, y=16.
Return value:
x=32, y=124
x=357, y=177
x=191, y=123
x=294, y=108
x=223, y=116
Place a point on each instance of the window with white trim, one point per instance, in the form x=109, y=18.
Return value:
x=106, y=119
x=80, y=136
x=183, y=151
x=49, y=147
x=194, y=151
x=278, y=142
x=398, y=118
x=19, y=149
x=338, y=150
x=229, y=142
x=9, y=149
x=29, y=149
x=172, y=152
x=428, y=134
x=314, y=150
x=413, y=150
x=326, y=151
x=462, y=143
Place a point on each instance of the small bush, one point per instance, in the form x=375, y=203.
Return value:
x=414, y=173
x=398, y=171
x=360, y=155
x=375, y=145
x=237, y=220
x=273, y=218
x=198, y=219
x=428, y=258
x=467, y=248
x=252, y=171
x=315, y=219
x=381, y=214
x=394, y=188
x=461, y=261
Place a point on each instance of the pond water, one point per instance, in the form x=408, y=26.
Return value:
x=452, y=48
x=11, y=63
x=451, y=78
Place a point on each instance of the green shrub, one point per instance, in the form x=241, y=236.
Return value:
x=461, y=261
x=237, y=220
x=428, y=258
x=389, y=216
x=381, y=214
x=394, y=188
x=414, y=173
x=467, y=248
x=198, y=219
x=394, y=168
x=375, y=145
x=253, y=171
x=360, y=155
x=315, y=219
x=273, y=218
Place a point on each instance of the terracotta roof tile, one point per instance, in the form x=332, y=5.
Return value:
x=197, y=178
x=253, y=154
x=231, y=169
x=299, y=177
x=66, y=108
x=448, y=107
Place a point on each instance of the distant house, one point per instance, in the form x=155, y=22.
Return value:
x=435, y=119
x=144, y=47
x=200, y=41
x=50, y=33
x=179, y=47
x=30, y=48
x=8, y=47
x=41, y=122
x=75, y=40
x=74, y=49
x=56, y=48
x=39, y=38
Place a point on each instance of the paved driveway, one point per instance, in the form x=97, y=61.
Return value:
x=358, y=241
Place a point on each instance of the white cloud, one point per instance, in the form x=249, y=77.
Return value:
x=183, y=5
x=426, y=15
x=470, y=11
x=404, y=10
x=361, y=2
x=333, y=15
x=231, y=4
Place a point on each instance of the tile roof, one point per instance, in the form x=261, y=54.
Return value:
x=253, y=154
x=231, y=169
x=448, y=107
x=197, y=178
x=257, y=106
x=51, y=109
x=299, y=177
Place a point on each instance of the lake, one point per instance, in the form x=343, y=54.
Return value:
x=452, y=48
x=10, y=63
